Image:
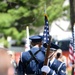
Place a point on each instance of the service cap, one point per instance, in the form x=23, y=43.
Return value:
x=54, y=46
x=36, y=38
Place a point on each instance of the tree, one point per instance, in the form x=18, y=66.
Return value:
x=16, y=14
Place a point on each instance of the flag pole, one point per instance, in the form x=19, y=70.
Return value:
x=27, y=45
x=46, y=56
x=46, y=40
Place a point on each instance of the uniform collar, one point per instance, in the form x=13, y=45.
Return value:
x=51, y=61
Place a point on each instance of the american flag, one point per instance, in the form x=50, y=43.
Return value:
x=46, y=31
x=72, y=55
x=71, y=51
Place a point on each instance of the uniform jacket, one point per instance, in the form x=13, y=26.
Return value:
x=57, y=68
x=31, y=67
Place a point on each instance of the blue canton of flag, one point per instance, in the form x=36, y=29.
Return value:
x=46, y=31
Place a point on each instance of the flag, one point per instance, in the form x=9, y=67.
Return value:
x=46, y=41
x=46, y=31
x=71, y=57
x=72, y=50
x=27, y=45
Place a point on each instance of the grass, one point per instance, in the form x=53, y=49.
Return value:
x=69, y=69
x=69, y=73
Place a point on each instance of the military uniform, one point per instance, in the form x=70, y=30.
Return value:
x=55, y=67
x=30, y=60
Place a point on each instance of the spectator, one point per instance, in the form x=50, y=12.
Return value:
x=4, y=61
x=13, y=62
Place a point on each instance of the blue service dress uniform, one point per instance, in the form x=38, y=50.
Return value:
x=57, y=68
x=29, y=61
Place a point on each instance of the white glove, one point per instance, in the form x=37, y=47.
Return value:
x=45, y=69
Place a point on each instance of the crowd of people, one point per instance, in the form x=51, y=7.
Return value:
x=32, y=61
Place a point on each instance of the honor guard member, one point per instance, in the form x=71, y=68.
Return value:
x=55, y=67
x=30, y=60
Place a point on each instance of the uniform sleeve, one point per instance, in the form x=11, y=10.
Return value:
x=62, y=70
x=20, y=68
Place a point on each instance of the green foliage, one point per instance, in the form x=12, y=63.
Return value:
x=55, y=10
x=15, y=15
x=31, y=31
x=14, y=33
x=6, y=20
x=3, y=6
x=4, y=42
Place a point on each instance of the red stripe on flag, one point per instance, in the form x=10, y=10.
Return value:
x=74, y=56
x=71, y=55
